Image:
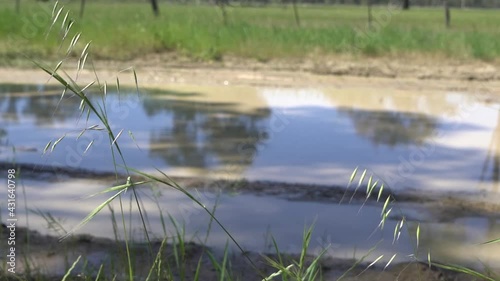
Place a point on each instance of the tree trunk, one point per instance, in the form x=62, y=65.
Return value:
x=447, y=15
x=296, y=12
x=82, y=8
x=156, y=10
x=406, y=4
x=224, y=13
x=18, y=6
x=222, y=6
x=369, y=6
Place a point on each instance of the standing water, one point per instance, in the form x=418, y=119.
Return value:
x=428, y=143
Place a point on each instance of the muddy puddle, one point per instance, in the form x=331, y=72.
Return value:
x=430, y=144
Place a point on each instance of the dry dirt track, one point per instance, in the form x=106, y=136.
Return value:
x=165, y=70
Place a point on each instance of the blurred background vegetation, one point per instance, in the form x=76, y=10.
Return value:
x=260, y=29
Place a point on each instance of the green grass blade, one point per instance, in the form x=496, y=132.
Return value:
x=71, y=269
x=97, y=277
x=47, y=146
x=197, y=202
x=93, y=213
x=198, y=269
x=380, y=192
x=385, y=205
x=158, y=258
x=278, y=273
x=88, y=147
x=359, y=261
x=360, y=182
x=491, y=241
x=57, y=142
x=418, y=235
x=462, y=269
x=54, y=18
x=351, y=179
x=389, y=262
x=371, y=264
x=117, y=136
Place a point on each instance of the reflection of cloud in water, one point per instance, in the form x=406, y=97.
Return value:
x=286, y=98
x=327, y=134
x=349, y=227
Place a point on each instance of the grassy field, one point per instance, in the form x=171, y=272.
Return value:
x=129, y=30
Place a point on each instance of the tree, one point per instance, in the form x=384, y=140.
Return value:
x=447, y=13
x=406, y=4
x=82, y=7
x=222, y=6
x=296, y=12
x=370, y=18
x=156, y=10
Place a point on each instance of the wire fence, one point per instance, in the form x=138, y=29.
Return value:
x=484, y=4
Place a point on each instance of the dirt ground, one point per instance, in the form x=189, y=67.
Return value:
x=165, y=70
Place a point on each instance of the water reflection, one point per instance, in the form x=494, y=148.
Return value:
x=203, y=135
x=492, y=160
x=28, y=89
x=471, y=231
x=42, y=104
x=348, y=229
x=326, y=134
x=3, y=137
x=391, y=128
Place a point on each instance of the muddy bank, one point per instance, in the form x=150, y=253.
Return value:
x=415, y=67
x=359, y=66
x=49, y=258
x=166, y=70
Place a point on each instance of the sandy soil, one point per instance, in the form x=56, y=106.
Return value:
x=166, y=70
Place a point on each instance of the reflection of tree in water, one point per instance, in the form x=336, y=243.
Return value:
x=450, y=240
x=496, y=156
x=205, y=134
x=391, y=128
x=493, y=157
x=30, y=101
x=3, y=137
